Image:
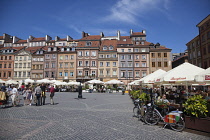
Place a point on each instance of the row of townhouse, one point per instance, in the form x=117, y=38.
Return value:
x=125, y=58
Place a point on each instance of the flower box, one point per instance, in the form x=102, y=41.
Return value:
x=201, y=124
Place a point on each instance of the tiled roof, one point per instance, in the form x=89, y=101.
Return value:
x=33, y=49
x=38, y=39
x=21, y=41
x=125, y=40
x=1, y=37
x=180, y=57
x=62, y=39
x=145, y=43
x=109, y=43
x=15, y=48
x=92, y=37
x=51, y=41
x=93, y=44
x=137, y=33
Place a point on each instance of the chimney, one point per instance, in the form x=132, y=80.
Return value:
x=102, y=34
x=69, y=38
x=144, y=32
x=30, y=37
x=15, y=39
x=47, y=38
x=131, y=31
x=118, y=35
x=57, y=38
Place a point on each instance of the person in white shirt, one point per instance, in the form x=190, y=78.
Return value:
x=14, y=95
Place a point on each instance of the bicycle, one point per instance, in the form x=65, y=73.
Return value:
x=173, y=119
x=139, y=109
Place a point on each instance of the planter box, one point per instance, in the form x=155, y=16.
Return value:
x=201, y=124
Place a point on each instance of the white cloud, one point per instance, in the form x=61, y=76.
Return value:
x=130, y=10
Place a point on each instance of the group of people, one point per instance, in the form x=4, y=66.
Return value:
x=36, y=94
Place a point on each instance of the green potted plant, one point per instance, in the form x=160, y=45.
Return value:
x=195, y=109
x=144, y=97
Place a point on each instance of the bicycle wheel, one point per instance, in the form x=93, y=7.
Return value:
x=178, y=126
x=151, y=118
x=136, y=112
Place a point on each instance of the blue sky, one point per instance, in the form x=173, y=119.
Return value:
x=170, y=22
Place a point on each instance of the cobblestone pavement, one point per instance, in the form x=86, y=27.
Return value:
x=99, y=116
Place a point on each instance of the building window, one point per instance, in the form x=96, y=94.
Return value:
x=86, y=53
x=52, y=75
x=114, y=72
x=204, y=50
x=71, y=64
x=143, y=57
x=101, y=56
x=114, y=64
x=143, y=50
x=93, y=53
x=159, y=64
x=165, y=64
x=107, y=56
x=159, y=54
x=129, y=57
x=61, y=65
x=104, y=48
x=165, y=54
x=143, y=64
x=122, y=50
x=129, y=50
x=114, y=56
x=108, y=64
x=71, y=74
x=53, y=65
x=5, y=65
x=93, y=73
x=72, y=56
x=108, y=72
x=122, y=56
x=137, y=65
x=153, y=64
x=144, y=74
x=93, y=63
x=123, y=74
x=153, y=55
x=137, y=74
x=86, y=73
x=136, y=50
x=80, y=63
x=137, y=56
x=66, y=57
x=101, y=72
x=60, y=74
x=110, y=47
x=80, y=53
x=130, y=65
x=88, y=43
x=86, y=63
x=61, y=57
x=101, y=64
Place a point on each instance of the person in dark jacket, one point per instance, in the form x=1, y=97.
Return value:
x=43, y=96
x=52, y=93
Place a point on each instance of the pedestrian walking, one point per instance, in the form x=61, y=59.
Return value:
x=24, y=96
x=3, y=88
x=29, y=96
x=14, y=96
x=52, y=93
x=38, y=92
x=43, y=96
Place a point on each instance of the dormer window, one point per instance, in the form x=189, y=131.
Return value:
x=142, y=43
x=88, y=43
x=55, y=49
x=37, y=52
x=110, y=47
x=68, y=49
x=72, y=49
x=124, y=39
x=62, y=49
x=105, y=48
x=49, y=49
x=11, y=51
x=41, y=52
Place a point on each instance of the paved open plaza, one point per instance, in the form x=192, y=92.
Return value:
x=100, y=116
